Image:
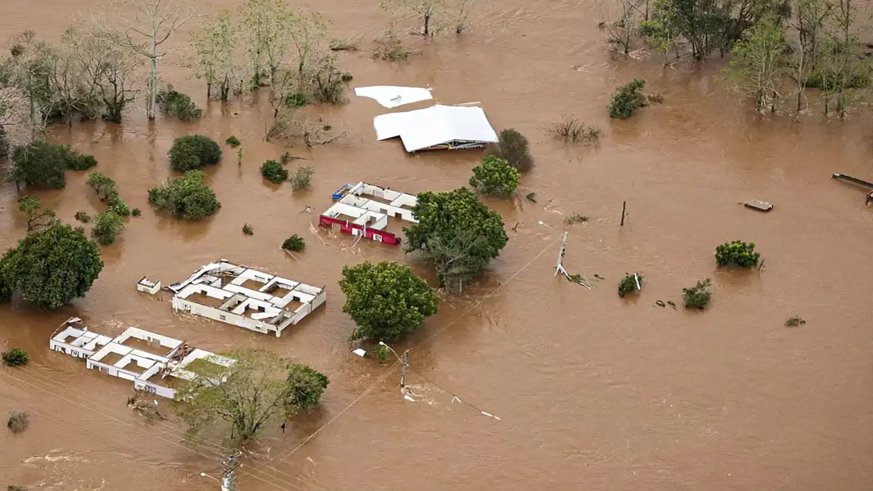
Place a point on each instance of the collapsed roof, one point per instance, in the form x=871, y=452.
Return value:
x=435, y=127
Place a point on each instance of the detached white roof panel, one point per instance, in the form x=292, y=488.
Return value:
x=390, y=96
x=435, y=125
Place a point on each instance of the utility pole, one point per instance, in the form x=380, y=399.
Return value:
x=405, y=366
x=228, y=478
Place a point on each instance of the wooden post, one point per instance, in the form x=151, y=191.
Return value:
x=623, y=208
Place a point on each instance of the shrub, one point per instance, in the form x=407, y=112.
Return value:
x=302, y=178
x=18, y=421
x=295, y=243
x=83, y=216
x=513, y=147
x=107, y=226
x=627, y=99
x=382, y=353
x=177, y=104
x=327, y=83
x=297, y=99
x=575, y=218
x=389, y=47
x=628, y=284
x=120, y=208
x=136, y=212
x=233, y=141
x=81, y=161
x=697, y=296
x=273, y=171
x=104, y=186
x=40, y=164
x=15, y=357
x=286, y=158
x=15, y=488
x=737, y=252
x=305, y=388
x=191, y=152
x=346, y=77
x=248, y=230
x=185, y=197
x=571, y=130
x=495, y=177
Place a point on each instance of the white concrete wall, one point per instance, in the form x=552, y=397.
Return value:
x=219, y=315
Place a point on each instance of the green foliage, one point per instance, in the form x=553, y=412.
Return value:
x=575, y=218
x=191, y=152
x=286, y=158
x=260, y=388
x=248, y=230
x=756, y=63
x=273, y=171
x=136, y=212
x=305, y=388
x=698, y=296
x=107, y=226
x=104, y=186
x=327, y=82
x=82, y=162
x=346, y=77
x=829, y=81
x=302, y=178
x=83, y=216
x=40, y=164
x=185, y=197
x=457, y=233
x=386, y=300
x=382, y=353
x=120, y=208
x=294, y=243
x=627, y=99
x=18, y=421
x=177, y=104
x=737, y=252
x=513, y=147
x=495, y=177
x=233, y=141
x=38, y=217
x=297, y=99
x=15, y=357
x=51, y=267
x=628, y=284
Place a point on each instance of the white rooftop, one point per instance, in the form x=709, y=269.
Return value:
x=390, y=96
x=436, y=125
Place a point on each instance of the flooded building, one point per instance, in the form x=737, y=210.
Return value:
x=143, y=357
x=246, y=297
x=363, y=210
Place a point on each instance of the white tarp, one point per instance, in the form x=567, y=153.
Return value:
x=436, y=125
x=390, y=96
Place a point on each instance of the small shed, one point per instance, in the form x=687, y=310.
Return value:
x=437, y=127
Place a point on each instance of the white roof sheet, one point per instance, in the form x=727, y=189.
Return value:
x=390, y=96
x=424, y=128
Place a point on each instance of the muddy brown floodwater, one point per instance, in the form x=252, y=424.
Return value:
x=593, y=392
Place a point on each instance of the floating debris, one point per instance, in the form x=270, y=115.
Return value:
x=795, y=322
x=660, y=303
x=756, y=204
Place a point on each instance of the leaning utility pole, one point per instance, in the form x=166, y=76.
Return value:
x=405, y=367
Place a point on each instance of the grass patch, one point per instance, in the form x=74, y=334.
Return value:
x=575, y=218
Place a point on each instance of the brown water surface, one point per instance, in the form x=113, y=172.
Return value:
x=593, y=392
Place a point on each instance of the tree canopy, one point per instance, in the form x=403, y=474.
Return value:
x=192, y=152
x=457, y=233
x=50, y=267
x=386, y=300
x=185, y=197
x=260, y=387
x=495, y=177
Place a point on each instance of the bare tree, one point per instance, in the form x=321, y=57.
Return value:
x=431, y=12
x=621, y=21
x=307, y=34
x=144, y=26
x=266, y=33
x=15, y=119
x=809, y=22
x=29, y=71
x=216, y=49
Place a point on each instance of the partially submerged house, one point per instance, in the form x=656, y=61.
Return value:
x=141, y=356
x=437, y=127
x=363, y=210
x=246, y=297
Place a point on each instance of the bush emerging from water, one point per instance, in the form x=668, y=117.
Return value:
x=43, y=164
x=295, y=243
x=177, y=104
x=513, y=147
x=15, y=357
x=297, y=99
x=628, y=284
x=495, y=177
x=120, y=208
x=698, y=296
x=571, y=130
x=302, y=178
x=185, y=197
x=18, y=421
x=136, y=212
x=107, y=226
x=233, y=141
x=273, y=171
x=737, y=252
x=83, y=216
x=192, y=152
x=248, y=230
x=627, y=99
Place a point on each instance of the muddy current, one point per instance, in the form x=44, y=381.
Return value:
x=592, y=391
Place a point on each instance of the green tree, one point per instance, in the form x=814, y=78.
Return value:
x=266, y=29
x=737, y=252
x=38, y=218
x=513, y=146
x=386, y=300
x=185, y=197
x=295, y=243
x=257, y=388
x=756, y=63
x=51, y=267
x=15, y=357
x=40, y=164
x=627, y=99
x=104, y=186
x=191, y=152
x=177, y=104
x=273, y=171
x=107, y=226
x=698, y=296
x=494, y=177
x=457, y=233
x=216, y=46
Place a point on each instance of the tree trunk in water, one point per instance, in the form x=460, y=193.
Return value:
x=426, y=24
x=153, y=83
